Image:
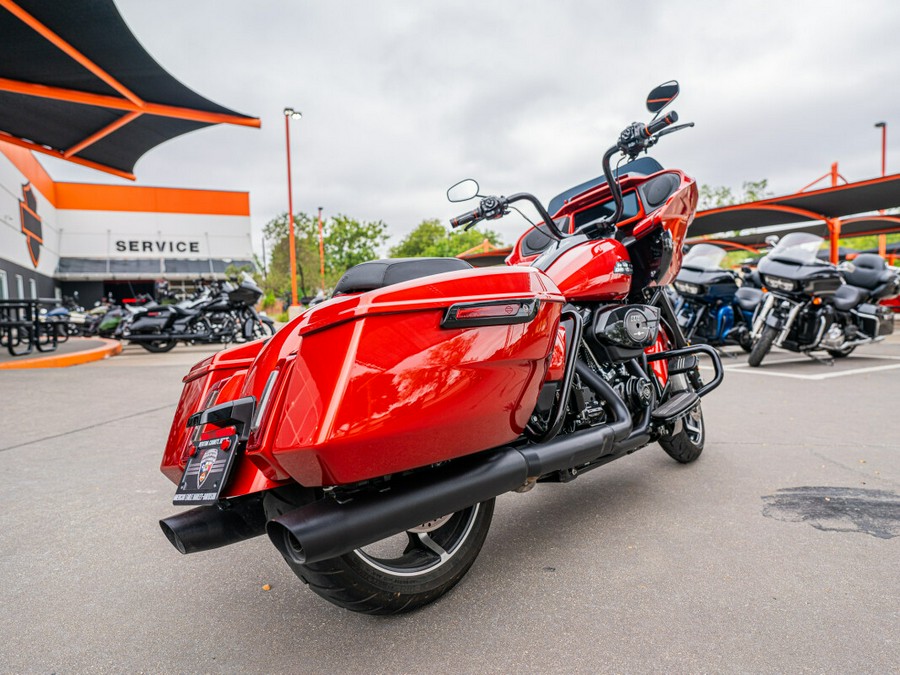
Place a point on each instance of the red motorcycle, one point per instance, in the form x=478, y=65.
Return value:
x=370, y=436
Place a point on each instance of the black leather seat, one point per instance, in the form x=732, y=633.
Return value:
x=374, y=274
x=848, y=296
x=748, y=298
x=869, y=271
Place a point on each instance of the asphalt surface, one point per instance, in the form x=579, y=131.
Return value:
x=777, y=551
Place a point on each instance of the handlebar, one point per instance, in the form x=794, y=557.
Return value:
x=465, y=219
x=660, y=124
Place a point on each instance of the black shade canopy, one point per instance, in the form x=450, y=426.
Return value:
x=830, y=203
x=851, y=227
x=76, y=84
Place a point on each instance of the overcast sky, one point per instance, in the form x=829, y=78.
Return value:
x=402, y=98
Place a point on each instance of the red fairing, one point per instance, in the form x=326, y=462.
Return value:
x=591, y=271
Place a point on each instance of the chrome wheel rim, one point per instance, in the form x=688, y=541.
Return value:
x=423, y=549
x=693, y=426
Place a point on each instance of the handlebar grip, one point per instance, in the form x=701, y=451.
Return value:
x=465, y=219
x=660, y=124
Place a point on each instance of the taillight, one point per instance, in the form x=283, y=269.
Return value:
x=261, y=408
x=264, y=400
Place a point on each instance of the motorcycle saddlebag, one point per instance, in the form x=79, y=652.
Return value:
x=875, y=320
x=405, y=376
x=150, y=324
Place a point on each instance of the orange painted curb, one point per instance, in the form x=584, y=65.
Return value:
x=110, y=348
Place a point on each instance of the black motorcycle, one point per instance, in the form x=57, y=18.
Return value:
x=217, y=313
x=715, y=305
x=809, y=306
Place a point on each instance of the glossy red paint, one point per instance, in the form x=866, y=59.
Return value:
x=557, y=368
x=660, y=368
x=587, y=272
x=378, y=387
x=673, y=216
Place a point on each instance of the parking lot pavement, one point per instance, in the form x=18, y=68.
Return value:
x=777, y=551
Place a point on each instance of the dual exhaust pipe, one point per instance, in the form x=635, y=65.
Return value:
x=326, y=529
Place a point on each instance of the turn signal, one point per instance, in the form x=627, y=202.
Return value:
x=817, y=301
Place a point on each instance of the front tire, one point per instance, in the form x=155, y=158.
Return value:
x=686, y=445
x=401, y=573
x=762, y=346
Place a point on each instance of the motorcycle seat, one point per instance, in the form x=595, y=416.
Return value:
x=374, y=274
x=869, y=271
x=748, y=298
x=848, y=296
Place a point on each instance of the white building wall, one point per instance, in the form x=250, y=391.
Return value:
x=123, y=235
x=13, y=243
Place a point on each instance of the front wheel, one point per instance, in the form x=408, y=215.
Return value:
x=686, y=445
x=762, y=346
x=403, y=572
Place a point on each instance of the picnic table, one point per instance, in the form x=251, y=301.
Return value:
x=22, y=330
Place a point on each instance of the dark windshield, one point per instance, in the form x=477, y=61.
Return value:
x=606, y=209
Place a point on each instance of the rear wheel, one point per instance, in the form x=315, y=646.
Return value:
x=762, y=346
x=403, y=572
x=159, y=346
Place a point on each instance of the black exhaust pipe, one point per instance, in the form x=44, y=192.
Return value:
x=209, y=527
x=327, y=529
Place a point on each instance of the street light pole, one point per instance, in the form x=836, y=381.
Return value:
x=882, y=239
x=291, y=114
x=321, y=250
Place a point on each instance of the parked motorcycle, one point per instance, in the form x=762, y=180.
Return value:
x=370, y=437
x=809, y=306
x=216, y=313
x=715, y=306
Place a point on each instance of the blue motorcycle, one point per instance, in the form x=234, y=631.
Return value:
x=715, y=305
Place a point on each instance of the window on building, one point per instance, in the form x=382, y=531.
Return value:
x=4, y=287
x=20, y=287
x=32, y=289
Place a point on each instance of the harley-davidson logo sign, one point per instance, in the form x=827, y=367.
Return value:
x=31, y=223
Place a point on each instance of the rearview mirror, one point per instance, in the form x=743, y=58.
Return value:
x=662, y=96
x=463, y=191
x=772, y=239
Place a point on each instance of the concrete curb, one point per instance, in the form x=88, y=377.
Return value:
x=109, y=348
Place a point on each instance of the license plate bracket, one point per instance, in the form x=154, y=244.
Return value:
x=206, y=472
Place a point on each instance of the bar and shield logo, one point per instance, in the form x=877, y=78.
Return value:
x=31, y=223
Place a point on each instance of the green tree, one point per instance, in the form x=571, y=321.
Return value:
x=347, y=242
x=431, y=239
x=715, y=196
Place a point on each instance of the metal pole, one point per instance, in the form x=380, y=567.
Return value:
x=293, y=253
x=321, y=250
x=882, y=238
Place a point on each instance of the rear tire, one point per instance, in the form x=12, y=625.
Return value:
x=159, y=346
x=762, y=346
x=401, y=573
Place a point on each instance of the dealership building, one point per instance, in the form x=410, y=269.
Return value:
x=58, y=238
x=76, y=84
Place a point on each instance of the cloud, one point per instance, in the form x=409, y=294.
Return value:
x=403, y=98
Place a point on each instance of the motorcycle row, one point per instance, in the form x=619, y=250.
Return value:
x=792, y=300
x=217, y=312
